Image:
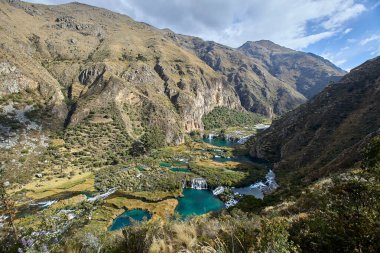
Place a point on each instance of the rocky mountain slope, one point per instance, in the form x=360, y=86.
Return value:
x=328, y=132
x=268, y=78
x=79, y=80
x=306, y=72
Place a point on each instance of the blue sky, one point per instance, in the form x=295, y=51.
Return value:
x=347, y=32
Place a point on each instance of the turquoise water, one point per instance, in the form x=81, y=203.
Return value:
x=219, y=142
x=165, y=165
x=197, y=202
x=125, y=218
x=180, y=170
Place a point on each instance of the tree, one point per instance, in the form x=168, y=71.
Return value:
x=137, y=149
x=153, y=138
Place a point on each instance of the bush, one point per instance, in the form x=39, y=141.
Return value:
x=154, y=138
x=222, y=117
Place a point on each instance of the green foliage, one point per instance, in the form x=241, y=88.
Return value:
x=137, y=149
x=229, y=177
x=153, y=138
x=344, y=218
x=222, y=117
x=130, y=179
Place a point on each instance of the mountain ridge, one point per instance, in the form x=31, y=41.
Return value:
x=80, y=66
x=325, y=134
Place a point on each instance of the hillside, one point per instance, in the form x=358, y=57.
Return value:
x=268, y=78
x=75, y=78
x=306, y=72
x=327, y=133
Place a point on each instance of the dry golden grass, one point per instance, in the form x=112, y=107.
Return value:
x=46, y=188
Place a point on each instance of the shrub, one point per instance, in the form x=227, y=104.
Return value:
x=222, y=117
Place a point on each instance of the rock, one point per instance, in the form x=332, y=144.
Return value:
x=6, y=184
x=73, y=41
x=90, y=75
x=39, y=175
x=70, y=216
x=6, y=68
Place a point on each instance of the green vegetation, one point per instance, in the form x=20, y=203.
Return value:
x=129, y=180
x=222, y=117
x=345, y=217
x=244, y=175
x=332, y=215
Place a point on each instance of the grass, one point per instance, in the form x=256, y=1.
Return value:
x=40, y=190
x=228, y=173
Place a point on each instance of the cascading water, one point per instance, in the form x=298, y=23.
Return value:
x=260, y=188
x=267, y=186
x=210, y=136
x=244, y=139
x=271, y=182
x=199, y=183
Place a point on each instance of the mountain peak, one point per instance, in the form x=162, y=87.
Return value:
x=265, y=44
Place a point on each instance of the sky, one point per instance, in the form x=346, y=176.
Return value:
x=346, y=32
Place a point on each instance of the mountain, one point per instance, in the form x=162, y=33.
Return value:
x=327, y=133
x=268, y=78
x=306, y=72
x=91, y=76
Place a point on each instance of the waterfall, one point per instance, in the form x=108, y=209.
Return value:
x=269, y=185
x=218, y=190
x=210, y=136
x=227, y=137
x=199, y=183
x=104, y=195
x=244, y=139
x=271, y=182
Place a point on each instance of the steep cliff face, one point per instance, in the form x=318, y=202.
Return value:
x=324, y=134
x=305, y=72
x=257, y=89
x=268, y=78
x=95, y=58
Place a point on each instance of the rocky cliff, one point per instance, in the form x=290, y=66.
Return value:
x=305, y=72
x=326, y=134
x=92, y=60
x=268, y=78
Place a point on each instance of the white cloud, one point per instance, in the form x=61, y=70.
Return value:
x=348, y=30
x=233, y=22
x=307, y=40
x=346, y=12
x=340, y=62
x=370, y=39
